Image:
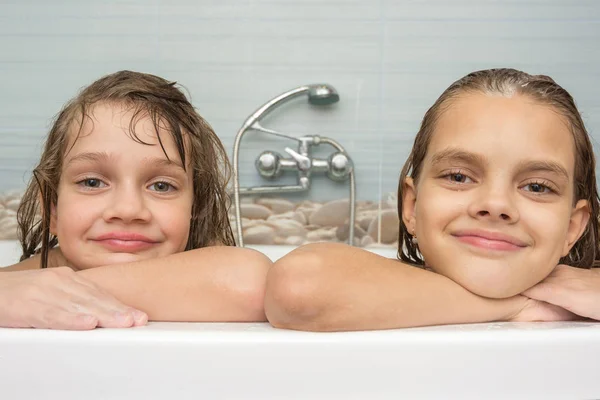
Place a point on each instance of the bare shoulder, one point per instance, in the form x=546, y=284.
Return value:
x=55, y=259
x=30, y=263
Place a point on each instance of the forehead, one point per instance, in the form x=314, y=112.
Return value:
x=117, y=128
x=504, y=129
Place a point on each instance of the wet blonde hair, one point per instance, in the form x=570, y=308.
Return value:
x=543, y=90
x=168, y=108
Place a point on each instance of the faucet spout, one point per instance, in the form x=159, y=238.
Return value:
x=318, y=94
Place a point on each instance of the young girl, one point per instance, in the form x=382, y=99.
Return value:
x=499, y=189
x=117, y=222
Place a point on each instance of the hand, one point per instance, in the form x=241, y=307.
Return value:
x=574, y=289
x=59, y=298
x=540, y=311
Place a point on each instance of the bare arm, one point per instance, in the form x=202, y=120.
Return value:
x=58, y=298
x=334, y=287
x=209, y=284
x=575, y=289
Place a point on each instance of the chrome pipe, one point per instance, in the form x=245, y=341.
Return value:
x=352, y=200
x=318, y=94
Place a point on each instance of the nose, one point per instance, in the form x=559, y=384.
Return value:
x=127, y=203
x=494, y=202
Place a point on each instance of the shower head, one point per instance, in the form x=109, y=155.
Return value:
x=318, y=94
x=322, y=95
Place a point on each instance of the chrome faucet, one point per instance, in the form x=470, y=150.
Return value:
x=271, y=165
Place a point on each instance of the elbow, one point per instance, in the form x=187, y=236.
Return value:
x=250, y=285
x=293, y=299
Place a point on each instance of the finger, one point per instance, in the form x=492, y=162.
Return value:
x=77, y=315
x=109, y=311
x=561, y=314
x=547, y=291
x=86, y=297
x=116, y=320
x=140, y=318
x=75, y=295
x=103, y=309
x=79, y=322
x=556, y=294
x=53, y=318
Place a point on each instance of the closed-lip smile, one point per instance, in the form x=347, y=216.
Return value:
x=124, y=241
x=490, y=240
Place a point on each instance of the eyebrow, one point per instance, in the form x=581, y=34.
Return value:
x=458, y=155
x=102, y=156
x=90, y=156
x=163, y=162
x=452, y=154
x=548, y=166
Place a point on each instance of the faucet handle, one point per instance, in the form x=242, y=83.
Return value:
x=340, y=166
x=268, y=164
x=302, y=161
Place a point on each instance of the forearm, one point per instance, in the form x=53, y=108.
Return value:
x=209, y=284
x=335, y=287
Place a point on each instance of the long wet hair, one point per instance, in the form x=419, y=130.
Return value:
x=169, y=109
x=544, y=90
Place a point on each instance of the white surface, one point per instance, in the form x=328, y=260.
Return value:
x=255, y=361
x=10, y=251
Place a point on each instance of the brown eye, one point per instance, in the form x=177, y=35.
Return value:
x=91, y=183
x=460, y=178
x=537, y=188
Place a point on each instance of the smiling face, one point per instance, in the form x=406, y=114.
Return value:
x=493, y=208
x=120, y=200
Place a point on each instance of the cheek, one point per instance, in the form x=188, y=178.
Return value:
x=549, y=225
x=175, y=222
x=435, y=209
x=434, y=212
x=181, y=229
x=72, y=216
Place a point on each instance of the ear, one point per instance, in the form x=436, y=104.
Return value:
x=409, y=204
x=577, y=224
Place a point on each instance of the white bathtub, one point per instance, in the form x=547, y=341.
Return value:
x=255, y=361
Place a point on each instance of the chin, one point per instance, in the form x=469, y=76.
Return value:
x=494, y=278
x=123, y=258
x=495, y=292
x=102, y=260
x=493, y=286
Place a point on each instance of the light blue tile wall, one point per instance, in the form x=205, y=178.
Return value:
x=388, y=59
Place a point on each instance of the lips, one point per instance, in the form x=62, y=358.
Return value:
x=125, y=241
x=490, y=240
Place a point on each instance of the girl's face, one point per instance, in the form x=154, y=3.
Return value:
x=119, y=200
x=493, y=208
